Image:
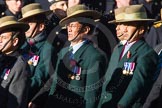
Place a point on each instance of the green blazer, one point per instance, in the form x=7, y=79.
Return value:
x=81, y=93
x=40, y=72
x=129, y=90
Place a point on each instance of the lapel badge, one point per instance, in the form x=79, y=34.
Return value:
x=128, y=54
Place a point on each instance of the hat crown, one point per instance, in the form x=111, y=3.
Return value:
x=119, y=13
x=132, y=13
x=31, y=7
x=7, y=19
x=79, y=13
x=8, y=22
x=76, y=8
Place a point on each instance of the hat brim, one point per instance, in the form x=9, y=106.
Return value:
x=81, y=13
x=20, y=26
x=35, y=14
x=158, y=22
x=134, y=20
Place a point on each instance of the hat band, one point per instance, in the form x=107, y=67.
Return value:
x=6, y=23
x=32, y=12
x=133, y=16
x=119, y=16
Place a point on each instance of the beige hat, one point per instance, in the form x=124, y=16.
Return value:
x=77, y=11
x=31, y=10
x=119, y=14
x=134, y=13
x=10, y=22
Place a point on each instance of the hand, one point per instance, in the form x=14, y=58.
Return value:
x=31, y=105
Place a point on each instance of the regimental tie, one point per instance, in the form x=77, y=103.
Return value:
x=74, y=66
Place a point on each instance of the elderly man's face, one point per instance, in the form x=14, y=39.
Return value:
x=75, y=32
x=14, y=5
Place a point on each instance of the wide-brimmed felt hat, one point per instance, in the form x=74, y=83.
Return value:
x=10, y=22
x=78, y=11
x=119, y=14
x=134, y=13
x=32, y=10
x=55, y=1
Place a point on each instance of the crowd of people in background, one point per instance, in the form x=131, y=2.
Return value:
x=75, y=55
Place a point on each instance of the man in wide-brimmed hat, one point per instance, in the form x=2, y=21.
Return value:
x=37, y=50
x=80, y=66
x=132, y=66
x=14, y=69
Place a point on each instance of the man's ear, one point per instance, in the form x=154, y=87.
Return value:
x=41, y=26
x=86, y=29
x=15, y=41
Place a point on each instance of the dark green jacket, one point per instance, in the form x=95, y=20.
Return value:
x=40, y=72
x=81, y=93
x=131, y=90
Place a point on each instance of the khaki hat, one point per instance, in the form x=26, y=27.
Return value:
x=32, y=10
x=54, y=1
x=77, y=11
x=10, y=22
x=134, y=13
x=119, y=14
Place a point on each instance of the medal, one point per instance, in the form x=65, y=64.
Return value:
x=131, y=67
x=77, y=77
x=35, y=60
x=72, y=77
x=6, y=74
x=30, y=62
x=124, y=72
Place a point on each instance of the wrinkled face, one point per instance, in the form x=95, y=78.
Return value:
x=75, y=34
x=121, y=3
x=14, y=5
x=129, y=31
x=59, y=8
x=7, y=44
